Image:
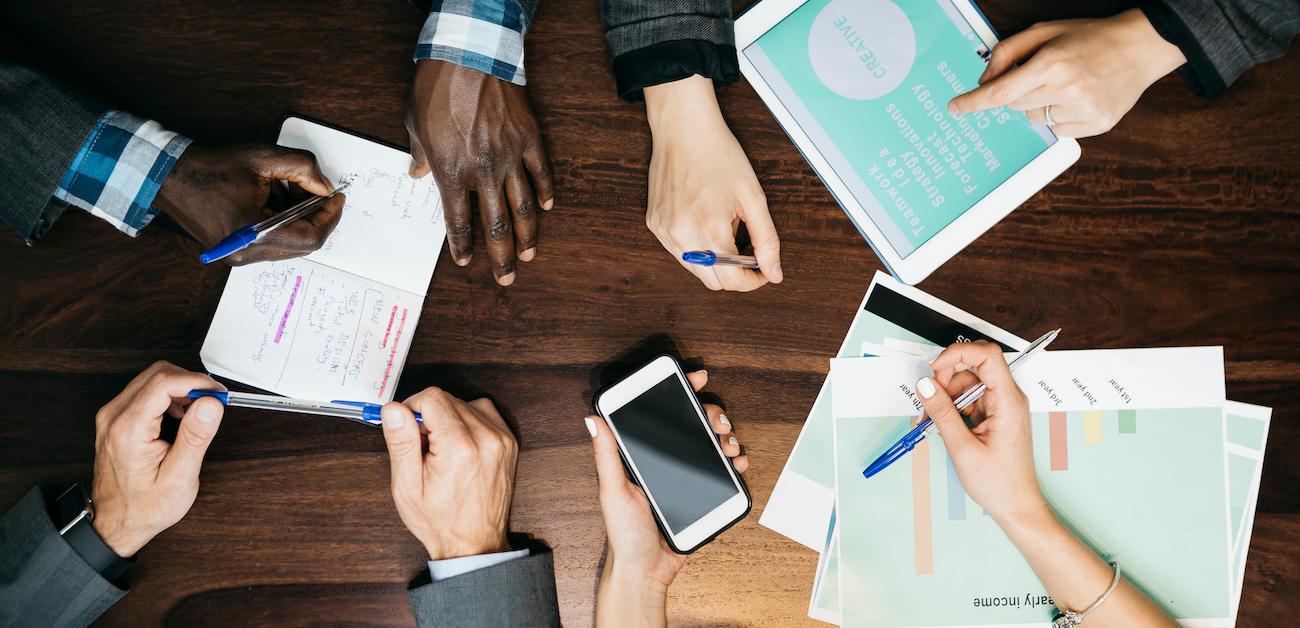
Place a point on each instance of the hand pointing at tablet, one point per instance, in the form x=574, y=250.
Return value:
x=1080, y=76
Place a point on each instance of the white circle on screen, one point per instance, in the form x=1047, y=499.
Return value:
x=861, y=49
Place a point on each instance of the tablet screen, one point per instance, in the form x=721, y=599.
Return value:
x=868, y=81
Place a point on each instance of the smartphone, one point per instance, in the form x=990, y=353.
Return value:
x=670, y=450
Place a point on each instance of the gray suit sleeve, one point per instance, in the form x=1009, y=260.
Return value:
x=520, y=592
x=1223, y=38
x=658, y=41
x=42, y=125
x=43, y=581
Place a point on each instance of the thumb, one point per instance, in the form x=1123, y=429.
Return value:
x=402, y=436
x=419, y=163
x=198, y=427
x=762, y=234
x=609, y=467
x=939, y=407
x=291, y=164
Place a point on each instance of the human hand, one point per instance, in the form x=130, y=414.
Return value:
x=995, y=459
x=476, y=132
x=455, y=495
x=214, y=190
x=640, y=565
x=143, y=484
x=1090, y=72
x=702, y=187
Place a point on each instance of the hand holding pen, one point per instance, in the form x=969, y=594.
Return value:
x=244, y=237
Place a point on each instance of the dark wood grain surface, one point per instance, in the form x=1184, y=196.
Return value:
x=1181, y=227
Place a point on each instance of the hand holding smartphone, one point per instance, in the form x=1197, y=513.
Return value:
x=669, y=449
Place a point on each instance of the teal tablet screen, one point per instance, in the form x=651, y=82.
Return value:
x=868, y=81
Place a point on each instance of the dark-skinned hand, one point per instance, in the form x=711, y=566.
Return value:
x=214, y=190
x=478, y=133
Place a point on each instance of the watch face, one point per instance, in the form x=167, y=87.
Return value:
x=70, y=505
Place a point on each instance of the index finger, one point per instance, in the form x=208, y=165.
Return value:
x=143, y=413
x=291, y=164
x=1000, y=91
x=984, y=357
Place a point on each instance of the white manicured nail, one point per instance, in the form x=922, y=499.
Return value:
x=733, y=442
x=591, y=426
x=925, y=387
x=722, y=418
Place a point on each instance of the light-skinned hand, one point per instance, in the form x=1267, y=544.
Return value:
x=478, y=133
x=453, y=495
x=994, y=459
x=1091, y=72
x=214, y=190
x=702, y=187
x=143, y=484
x=639, y=564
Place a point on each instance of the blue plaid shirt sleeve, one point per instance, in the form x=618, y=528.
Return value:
x=119, y=168
x=485, y=35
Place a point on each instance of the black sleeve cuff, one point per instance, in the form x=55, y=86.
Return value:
x=672, y=61
x=1199, y=71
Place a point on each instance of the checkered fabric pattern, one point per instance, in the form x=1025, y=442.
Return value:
x=119, y=169
x=485, y=35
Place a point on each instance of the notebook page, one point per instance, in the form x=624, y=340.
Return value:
x=302, y=329
x=392, y=227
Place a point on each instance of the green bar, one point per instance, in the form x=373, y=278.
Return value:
x=1128, y=422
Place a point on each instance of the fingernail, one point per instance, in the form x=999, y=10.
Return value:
x=925, y=387
x=722, y=418
x=527, y=256
x=591, y=426
x=207, y=412
x=506, y=280
x=464, y=260
x=733, y=442
x=952, y=108
x=548, y=204
x=393, y=419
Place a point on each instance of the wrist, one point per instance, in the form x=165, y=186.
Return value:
x=1161, y=57
x=1032, y=516
x=445, y=550
x=632, y=599
x=681, y=105
x=118, y=538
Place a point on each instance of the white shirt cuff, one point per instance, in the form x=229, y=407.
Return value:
x=452, y=567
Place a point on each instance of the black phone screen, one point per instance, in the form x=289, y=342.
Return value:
x=674, y=452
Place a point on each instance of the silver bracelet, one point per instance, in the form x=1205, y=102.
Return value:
x=1070, y=619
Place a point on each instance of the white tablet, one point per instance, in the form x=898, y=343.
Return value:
x=862, y=88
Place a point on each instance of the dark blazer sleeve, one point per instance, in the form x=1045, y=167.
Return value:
x=520, y=592
x=1223, y=38
x=42, y=125
x=659, y=41
x=43, y=581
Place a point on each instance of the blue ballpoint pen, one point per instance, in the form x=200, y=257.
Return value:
x=709, y=258
x=359, y=411
x=242, y=238
x=910, y=440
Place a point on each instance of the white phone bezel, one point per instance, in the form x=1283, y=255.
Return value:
x=950, y=240
x=619, y=395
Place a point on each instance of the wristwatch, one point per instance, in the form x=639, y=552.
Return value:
x=73, y=513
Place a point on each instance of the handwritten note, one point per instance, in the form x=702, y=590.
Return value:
x=338, y=323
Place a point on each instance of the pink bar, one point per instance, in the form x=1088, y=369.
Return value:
x=921, y=509
x=284, y=318
x=1060, y=452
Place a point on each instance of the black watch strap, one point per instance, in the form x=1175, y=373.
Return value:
x=73, y=519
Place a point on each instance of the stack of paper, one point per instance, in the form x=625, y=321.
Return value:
x=1137, y=451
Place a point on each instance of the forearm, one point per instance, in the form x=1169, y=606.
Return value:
x=629, y=601
x=1075, y=576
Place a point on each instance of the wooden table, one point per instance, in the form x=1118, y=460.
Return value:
x=1181, y=227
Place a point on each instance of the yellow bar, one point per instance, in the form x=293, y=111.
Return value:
x=1091, y=427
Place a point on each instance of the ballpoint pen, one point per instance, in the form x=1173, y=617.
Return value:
x=359, y=411
x=243, y=237
x=709, y=258
x=963, y=401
